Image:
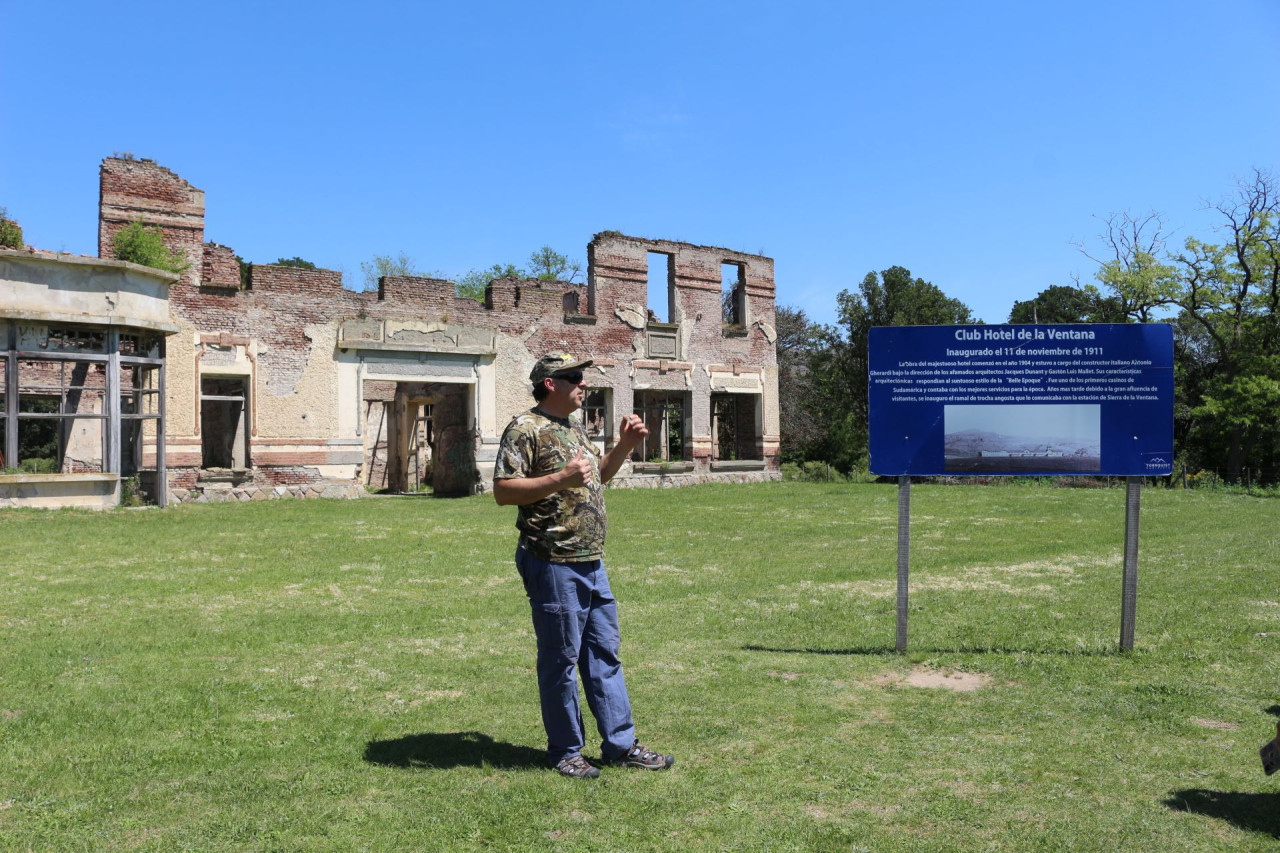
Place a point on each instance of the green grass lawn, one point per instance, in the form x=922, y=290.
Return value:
x=358, y=675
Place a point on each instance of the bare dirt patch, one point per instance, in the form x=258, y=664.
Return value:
x=1218, y=725
x=922, y=676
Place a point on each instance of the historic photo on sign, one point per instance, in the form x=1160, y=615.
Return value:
x=1018, y=439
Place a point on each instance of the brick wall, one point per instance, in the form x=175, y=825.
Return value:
x=141, y=190
x=219, y=267
x=281, y=303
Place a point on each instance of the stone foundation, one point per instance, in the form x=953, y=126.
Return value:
x=220, y=494
x=670, y=481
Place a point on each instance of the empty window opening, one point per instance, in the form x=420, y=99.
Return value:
x=662, y=279
x=224, y=432
x=76, y=339
x=61, y=417
x=733, y=294
x=139, y=417
x=595, y=414
x=140, y=344
x=56, y=412
x=735, y=427
x=663, y=414
x=40, y=439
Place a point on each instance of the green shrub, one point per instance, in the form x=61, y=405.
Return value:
x=10, y=231
x=130, y=491
x=38, y=465
x=817, y=472
x=1204, y=480
x=144, y=244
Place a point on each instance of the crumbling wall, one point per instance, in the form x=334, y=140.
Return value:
x=284, y=332
x=141, y=190
x=618, y=278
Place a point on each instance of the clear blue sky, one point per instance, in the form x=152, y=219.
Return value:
x=969, y=142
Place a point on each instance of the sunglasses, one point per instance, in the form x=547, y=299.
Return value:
x=572, y=378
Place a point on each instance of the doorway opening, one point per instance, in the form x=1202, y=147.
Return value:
x=224, y=431
x=420, y=438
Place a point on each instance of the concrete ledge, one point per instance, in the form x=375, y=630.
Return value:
x=738, y=465
x=52, y=491
x=649, y=481
x=225, y=493
x=661, y=467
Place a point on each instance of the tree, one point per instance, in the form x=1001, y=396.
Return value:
x=295, y=262
x=144, y=244
x=838, y=366
x=1227, y=326
x=549, y=265
x=1064, y=304
x=1232, y=291
x=473, y=284
x=546, y=264
x=384, y=265
x=1136, y=273
x=797, y=342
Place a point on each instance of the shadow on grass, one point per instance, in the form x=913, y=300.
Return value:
x=966, y=650
x=1274, y=710
x=1251, y=812
x=444, y=750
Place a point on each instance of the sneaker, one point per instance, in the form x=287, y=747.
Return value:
x=644, y=758
x=577, y=767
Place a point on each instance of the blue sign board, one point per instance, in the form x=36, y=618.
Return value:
x=1021, y=399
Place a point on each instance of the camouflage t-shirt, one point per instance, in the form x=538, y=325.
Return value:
x=567, y=526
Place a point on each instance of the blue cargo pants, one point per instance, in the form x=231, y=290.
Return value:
x=575, y=620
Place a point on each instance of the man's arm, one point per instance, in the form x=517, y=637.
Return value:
x=519, y=491
x=630, y=435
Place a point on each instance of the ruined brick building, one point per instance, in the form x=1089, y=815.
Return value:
x=287, y=384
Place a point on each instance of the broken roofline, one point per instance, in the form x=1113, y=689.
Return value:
x=132, y=188
x=677, y=244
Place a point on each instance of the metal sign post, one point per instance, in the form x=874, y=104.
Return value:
x=1129, y=598
x=904, y=558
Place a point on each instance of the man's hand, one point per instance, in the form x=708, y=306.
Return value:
x=520, y=491
x=576, y=473
x=632, y=431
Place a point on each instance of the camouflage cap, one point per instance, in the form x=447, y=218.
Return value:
x=556, y=362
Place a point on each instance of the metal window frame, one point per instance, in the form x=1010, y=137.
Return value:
x=112, y=358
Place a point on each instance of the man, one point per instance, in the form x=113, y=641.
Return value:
x=548, y=467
